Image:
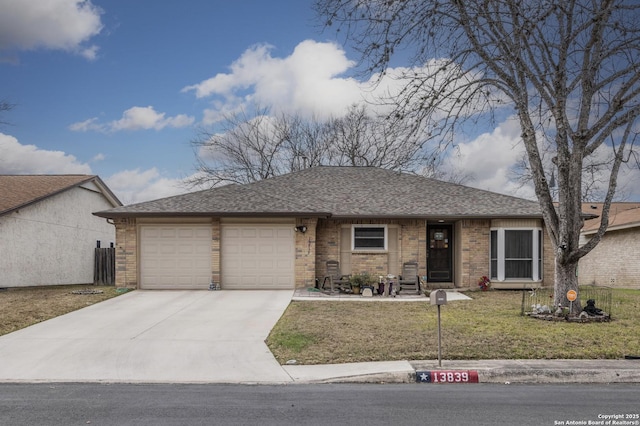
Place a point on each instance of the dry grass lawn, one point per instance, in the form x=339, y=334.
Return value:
x=315, y=332
x=488, y=327
x=22, y=307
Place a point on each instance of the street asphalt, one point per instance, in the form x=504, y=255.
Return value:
x=218, y=337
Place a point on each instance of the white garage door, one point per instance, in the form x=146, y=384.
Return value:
x=175, y=256
x=257, y=257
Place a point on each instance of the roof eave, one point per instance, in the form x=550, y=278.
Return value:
x=119, y=215
x=437, y=216
x=614, y=228
x=48, y=195
x=113, y=199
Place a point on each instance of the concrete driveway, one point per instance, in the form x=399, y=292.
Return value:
x=153, y=336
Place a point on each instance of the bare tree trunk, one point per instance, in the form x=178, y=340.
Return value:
x=566, y=279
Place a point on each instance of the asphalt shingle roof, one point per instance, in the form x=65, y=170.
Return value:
x=338, y=192
x=621, y=215
x=17, y=191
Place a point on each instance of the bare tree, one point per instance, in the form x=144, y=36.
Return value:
x=360, y=138
x=252, y=147
x=4, y=107
x=569, y=70
x=246, y=148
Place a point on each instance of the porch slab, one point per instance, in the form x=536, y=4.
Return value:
x=307, y=294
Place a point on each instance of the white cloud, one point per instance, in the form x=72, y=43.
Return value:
x=306, y=81
x=16, y=158
x=134, y=186
x=50, y=24
x=131, y=186
x=135, y=118
x=488, y=159
x=488, y=163
x=84, y=126
x=145, y=118
x=312, y=80
x=98, y=157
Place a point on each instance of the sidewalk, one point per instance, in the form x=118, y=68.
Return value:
x=489, y=371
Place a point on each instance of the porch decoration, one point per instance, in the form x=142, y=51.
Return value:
x=358, y=281
x=484, y=283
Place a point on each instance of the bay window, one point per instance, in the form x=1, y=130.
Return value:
x=516, y=254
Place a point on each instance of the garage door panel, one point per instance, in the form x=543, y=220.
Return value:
x=175, y=256
x=283, y=233
x=203, y=250
x=267, y=264
x=267, y=250
x=169, y=233
x=189, y=249
x=257, y=256
x=249, y=232
x=266, y=233
x=248, y=249
x=284, y=264
x=185, y=233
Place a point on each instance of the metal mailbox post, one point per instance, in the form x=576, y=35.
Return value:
x=439, y=298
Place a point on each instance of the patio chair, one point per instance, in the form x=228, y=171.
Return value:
x=409, y=280
x=335, y=278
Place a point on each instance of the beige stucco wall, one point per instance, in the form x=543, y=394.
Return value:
x=52, y=242
x=614, y=262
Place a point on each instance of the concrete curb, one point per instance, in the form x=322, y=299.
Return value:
x=545, y=371
x=576, y=375
x=489, y=371
x=363, y=372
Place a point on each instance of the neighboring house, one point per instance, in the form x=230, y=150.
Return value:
x=615, y=261
x=47, y=230
x=280, y=232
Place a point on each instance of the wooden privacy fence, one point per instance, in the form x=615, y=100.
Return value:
x=104, y=270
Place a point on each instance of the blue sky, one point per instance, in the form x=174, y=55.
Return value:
x=117, y=88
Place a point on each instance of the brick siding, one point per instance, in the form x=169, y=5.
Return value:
x=216, y=276
x=126, y=253
x=614, y=262
x=322, y=242
x=305, y=266
x=474, y=238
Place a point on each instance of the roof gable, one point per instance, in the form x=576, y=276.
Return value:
x=337, y=192
x=18, y=191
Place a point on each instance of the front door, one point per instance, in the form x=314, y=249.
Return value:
x=440, y=250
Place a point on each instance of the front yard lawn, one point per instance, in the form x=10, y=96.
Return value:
x=22, y=307
x=487, y=327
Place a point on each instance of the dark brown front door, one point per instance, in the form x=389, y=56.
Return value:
x=439, y=249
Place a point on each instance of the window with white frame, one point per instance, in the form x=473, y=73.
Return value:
x=516, y=254
x=369, y=237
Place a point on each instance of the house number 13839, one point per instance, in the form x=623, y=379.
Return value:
x=448, y=376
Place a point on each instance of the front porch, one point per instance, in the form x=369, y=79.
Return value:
x=314, y=294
